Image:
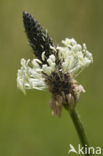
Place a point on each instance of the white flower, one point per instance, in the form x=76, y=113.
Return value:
x=30, y=76
x=73, y=57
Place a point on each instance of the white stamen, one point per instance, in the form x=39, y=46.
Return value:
x=74, y=57
x=43, y=56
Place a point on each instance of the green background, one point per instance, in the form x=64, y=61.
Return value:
x=26, y=125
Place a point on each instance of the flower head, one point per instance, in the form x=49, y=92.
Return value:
x=54, y=68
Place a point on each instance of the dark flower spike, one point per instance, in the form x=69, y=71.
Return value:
x=54, y=68
x=37, y=36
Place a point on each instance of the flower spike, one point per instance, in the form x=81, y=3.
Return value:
x=54, y=68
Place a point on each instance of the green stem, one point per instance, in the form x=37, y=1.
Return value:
x=79, y=128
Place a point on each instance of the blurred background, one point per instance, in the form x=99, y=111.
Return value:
x=26, y=124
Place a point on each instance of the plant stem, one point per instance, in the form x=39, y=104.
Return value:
x=79, y=128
